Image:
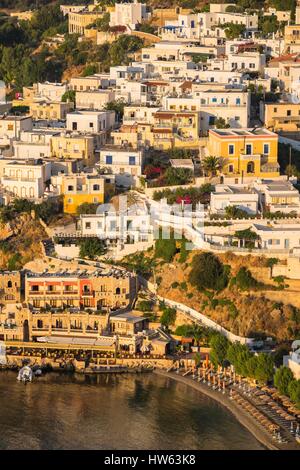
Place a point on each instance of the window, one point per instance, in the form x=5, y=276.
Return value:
x=214, y=100
x=231, y=149
x=238, y=101
x=70, y=188
x=230, y=168
x=96, y=187
x=91, y=124
x=288, y=113
x=74, y=126
x=88, y=225
x=131, y=160
x=266, y=149
x=248, y=149
x=275, y=110
x=9, y=284
x=211, y=120
x=108, y=159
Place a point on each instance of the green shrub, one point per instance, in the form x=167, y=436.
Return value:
x=208, y=272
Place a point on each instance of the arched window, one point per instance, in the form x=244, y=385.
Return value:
x=9, y=284
x=230, y=168
x=118, y=290
x=250, y=167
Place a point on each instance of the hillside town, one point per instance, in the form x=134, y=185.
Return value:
x=149, y=198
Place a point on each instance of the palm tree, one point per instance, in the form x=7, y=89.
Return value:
x=212, y=165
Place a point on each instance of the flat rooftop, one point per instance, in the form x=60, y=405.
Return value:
x=260, y=131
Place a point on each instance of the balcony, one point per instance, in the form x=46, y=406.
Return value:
x=253, y=157
x=87, y=294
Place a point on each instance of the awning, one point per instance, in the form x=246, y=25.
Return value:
x=103, y=341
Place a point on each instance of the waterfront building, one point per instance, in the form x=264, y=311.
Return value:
x=100, y=290
x=10, y=287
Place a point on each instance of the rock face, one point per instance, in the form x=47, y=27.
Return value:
x=21, y=237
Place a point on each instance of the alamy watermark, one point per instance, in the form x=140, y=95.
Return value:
x=136, y=221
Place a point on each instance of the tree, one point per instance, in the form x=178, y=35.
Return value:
x=90, y=69
x=15, y=262
x=294, y=392
x=118, y=107
x=265, y=368
x=91, y=248
x=69, y=95
x=102, y=24
x=212, y=165
x=282, y=378
x=239, y=355
x=168, y=316
x=208, y=272
x=219, y=345
x=220, y=123
x=87, y=208
x=233, y=212
x=233, y=30
x=244, y=279
x=177, y=176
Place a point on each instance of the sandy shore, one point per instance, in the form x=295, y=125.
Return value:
x=243, y=417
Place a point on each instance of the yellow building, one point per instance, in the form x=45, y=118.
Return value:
x=175, y=129
x=168, y=129
x=292, y=38
x=78, y=21
x=70, y=146
x=282, y=116
x=50, y=109
x=245, y=152
x=161, y=15
x=83, y=188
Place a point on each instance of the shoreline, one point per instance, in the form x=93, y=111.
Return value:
x=243, y=418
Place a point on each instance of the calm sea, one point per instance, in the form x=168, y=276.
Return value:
x=113, y=412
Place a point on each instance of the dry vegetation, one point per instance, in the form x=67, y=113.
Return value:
x=23, y=245
x=266, y=311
